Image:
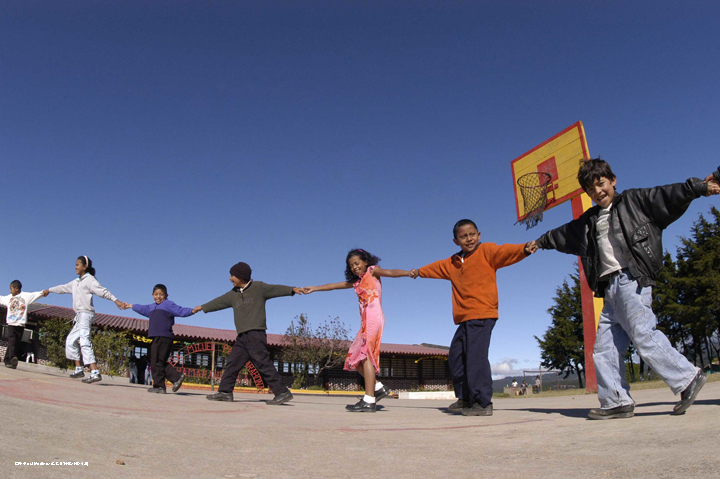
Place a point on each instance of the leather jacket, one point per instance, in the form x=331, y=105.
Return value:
x=643, y=214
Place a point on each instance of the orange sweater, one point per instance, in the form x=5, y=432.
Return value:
x=474, y=282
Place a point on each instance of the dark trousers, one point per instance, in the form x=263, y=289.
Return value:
x=160, y=350
x=14, y=347
x=251, y=346
x=468, y=361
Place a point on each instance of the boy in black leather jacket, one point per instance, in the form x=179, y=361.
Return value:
x=619, y=241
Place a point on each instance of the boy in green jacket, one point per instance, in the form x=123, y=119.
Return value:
x=247, y=299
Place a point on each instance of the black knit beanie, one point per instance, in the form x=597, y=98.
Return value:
x=241, y=271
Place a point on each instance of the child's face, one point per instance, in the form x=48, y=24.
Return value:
x=357, y=265
x=237, y=282
x=602, y=192
x=14, y=291
x=468, y=237
x=79, y=268
x=159, y=296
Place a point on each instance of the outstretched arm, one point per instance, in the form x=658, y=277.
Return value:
x=327, y=287
x=391, y=273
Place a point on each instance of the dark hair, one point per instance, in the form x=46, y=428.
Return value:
x=161, y=287
x=370, y=259
x=462, y=223
x=592, y=170
x=16, y=284
x=88, y=264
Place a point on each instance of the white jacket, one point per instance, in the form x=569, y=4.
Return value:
x=82, y=290
x=17, y=306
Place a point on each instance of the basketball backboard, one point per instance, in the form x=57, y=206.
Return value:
x=560, y=156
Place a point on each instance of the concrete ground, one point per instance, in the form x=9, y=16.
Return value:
x=121, y=431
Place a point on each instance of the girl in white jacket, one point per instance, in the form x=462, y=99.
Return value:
x=78, y=341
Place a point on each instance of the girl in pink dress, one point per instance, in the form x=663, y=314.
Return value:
x=363, y=274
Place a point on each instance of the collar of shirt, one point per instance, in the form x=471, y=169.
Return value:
x=239, y=289
x=462, y=255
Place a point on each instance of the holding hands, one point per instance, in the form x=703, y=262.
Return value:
x=531, y=247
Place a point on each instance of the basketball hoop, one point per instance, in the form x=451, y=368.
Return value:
x=534, y=188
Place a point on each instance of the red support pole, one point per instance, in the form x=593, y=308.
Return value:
x=588, y=309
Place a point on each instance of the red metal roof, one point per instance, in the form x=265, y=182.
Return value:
x=197, y=333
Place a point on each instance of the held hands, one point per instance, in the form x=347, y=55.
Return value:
x=46, y=292
x=414, y=273
x=121, y=304
x=299, y=290
x=713, y=187
x=197, y=309
x=308, y=289
x=531, y=247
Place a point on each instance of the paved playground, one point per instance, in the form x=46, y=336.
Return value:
x=120, y=430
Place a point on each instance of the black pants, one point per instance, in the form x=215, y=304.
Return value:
x=468, y=361
x=14, y=347
x=251, y=346
x=160, y=350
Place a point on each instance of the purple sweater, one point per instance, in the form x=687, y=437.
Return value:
x=162, y=317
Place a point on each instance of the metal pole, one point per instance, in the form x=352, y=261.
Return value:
x=212, y=375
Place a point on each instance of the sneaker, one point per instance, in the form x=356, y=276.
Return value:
x=280, y=399
x=13, y=363
x=78, y=374
x=361, y=406
x=382, y=393
x=477, y=410
x=220, y=396
x=157, y=390
x=94, y=378
x=178, y=384
x=619, y=412
x=687, y=397
x=459, y=405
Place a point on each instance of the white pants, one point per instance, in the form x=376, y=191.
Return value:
x=79, y=339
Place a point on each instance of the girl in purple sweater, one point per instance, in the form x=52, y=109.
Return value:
x=162, y=318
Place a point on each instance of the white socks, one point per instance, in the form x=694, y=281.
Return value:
x=369, y=399
x=378, y=386
x=95, y=372
x=78, y=369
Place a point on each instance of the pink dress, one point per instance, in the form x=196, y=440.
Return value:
x=372, y=320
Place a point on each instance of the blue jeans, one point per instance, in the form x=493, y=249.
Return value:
x=628, y=316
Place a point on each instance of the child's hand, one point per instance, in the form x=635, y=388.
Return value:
x=119, y=304
x=531, y=247
x=713, y=187
x=298, y=291
x=414, y=273
x=46, y=292
x=308, y=289
x=197, y=309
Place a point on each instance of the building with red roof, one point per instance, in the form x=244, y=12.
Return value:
x=402, y=366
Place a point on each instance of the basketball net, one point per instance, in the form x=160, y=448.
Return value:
x=533, y=187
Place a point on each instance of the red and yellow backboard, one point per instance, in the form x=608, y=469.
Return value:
x=560, y=156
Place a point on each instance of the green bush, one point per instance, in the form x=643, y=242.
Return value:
x=112, y=351
x=52, y=336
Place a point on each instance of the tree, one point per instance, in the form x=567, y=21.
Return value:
x=52, y=336
x=562, y=345
x=312, y=351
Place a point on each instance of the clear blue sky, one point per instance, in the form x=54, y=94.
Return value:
x=168, y=140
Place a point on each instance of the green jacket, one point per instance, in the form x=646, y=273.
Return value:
x=249, y=304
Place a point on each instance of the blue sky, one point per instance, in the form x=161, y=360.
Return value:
x=168, y=140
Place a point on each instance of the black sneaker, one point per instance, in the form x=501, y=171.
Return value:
x=220, y=396
x=687, y=397
x=178, y=384
x=459, y=405
x=157, y=390
x=94, y=378
x=78, y=374
x=477, y=410
x=280, y=399
x=619, y=412
x=361, y=406
x=13, y=363
x=382, y=393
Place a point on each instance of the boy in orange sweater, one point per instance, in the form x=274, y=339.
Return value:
x=472, y=272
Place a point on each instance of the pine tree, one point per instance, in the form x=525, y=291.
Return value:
x=562, y=344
